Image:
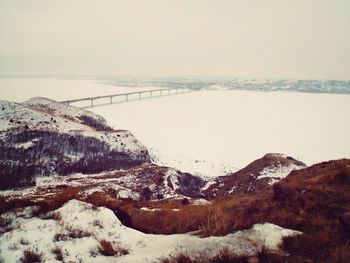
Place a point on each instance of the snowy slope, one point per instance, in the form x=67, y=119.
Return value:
x=257, y=176
x=58, y=109
x=16, y=118
x=277, y=171
x=77, y=229
x=203, y=168
x=145, y=182
x=43, y=137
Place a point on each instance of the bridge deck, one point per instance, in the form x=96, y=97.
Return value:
x=126, y=95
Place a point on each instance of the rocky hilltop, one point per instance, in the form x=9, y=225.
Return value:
x=256, y=176
x=41, y=137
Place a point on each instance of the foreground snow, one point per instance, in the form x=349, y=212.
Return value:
x=94, y=224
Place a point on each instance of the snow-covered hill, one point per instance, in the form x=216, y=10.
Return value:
x=74, y=114
x=256, y=176
x=80, y=232
x=42, y=138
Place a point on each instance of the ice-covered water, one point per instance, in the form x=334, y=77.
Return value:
x=236, y=127
x=207, y=131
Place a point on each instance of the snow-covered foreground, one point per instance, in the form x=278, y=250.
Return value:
x=78, y=228
x=211, y=131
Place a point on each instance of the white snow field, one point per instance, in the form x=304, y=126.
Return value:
x=79, y=227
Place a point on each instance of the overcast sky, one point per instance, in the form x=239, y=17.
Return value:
x=220, y=38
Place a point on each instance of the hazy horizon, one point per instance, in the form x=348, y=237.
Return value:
x=163, y=38
x=136, y=78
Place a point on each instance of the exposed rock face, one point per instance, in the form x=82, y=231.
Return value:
x=256, y=176
x=42, y=137
x=144, y=182
x=154, y=182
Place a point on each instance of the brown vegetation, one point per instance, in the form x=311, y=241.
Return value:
x=30, y=256
x=58, y=253
x=225, y=256
x=315, y=201
x=106, y=248
x=72, y=233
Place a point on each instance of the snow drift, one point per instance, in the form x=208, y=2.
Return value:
x=77, y=230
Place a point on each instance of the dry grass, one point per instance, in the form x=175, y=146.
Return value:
x=30, y=256
x=58, y=253
x=72, y=233
x=60, y=237
x=77, y=233
x=219, y=218
x=315, y=201
x=224, y=256
x=107, y=249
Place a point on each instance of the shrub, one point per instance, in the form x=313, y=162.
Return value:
x=224, y=256
x=106, y=248
x=53, y=215
x=178, y=258
x=77, y=233
x=58, y=253
x=60, y=237
x=30, y=256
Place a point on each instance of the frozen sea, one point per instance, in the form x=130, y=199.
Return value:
x=213, y=131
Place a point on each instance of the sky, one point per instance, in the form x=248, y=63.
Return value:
x=300, y=39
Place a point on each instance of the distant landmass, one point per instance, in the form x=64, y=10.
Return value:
x=311, y=86
x=254, y=84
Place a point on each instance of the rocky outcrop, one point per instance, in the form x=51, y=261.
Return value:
x=257, y=176
x=42, y=137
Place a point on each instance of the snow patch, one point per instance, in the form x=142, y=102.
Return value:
x=277, y=173
x=97, y=223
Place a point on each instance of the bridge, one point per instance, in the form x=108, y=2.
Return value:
x=129, y=96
